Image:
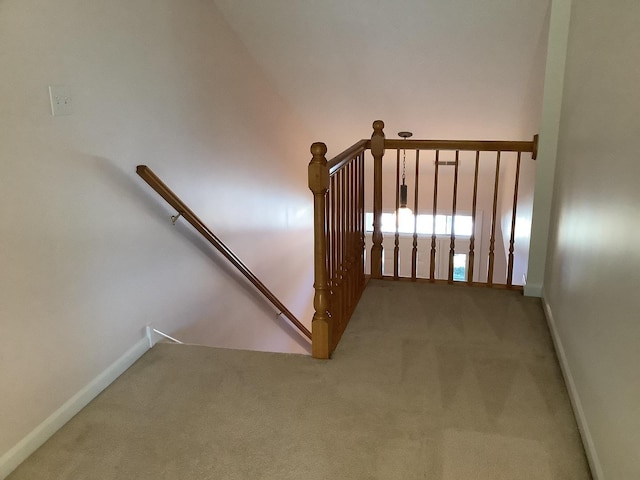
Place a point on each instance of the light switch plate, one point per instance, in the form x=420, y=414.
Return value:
x=61, y=101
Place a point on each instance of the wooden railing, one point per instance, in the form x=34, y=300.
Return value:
x=492, y=151
x=339, y=248
x=154, y=182
x=338, y=192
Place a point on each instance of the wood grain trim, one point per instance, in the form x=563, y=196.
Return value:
x=462, y=145
x=339, y=161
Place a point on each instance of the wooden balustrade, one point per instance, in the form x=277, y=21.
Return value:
x=482, y=152
x=338, y=189
x=339, y=198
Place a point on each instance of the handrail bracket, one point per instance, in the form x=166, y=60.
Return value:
x=174, y=218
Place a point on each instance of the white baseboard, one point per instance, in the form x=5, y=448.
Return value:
x=587, y=439
x=29, y=444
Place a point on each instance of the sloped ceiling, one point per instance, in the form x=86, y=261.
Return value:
x=441, y=68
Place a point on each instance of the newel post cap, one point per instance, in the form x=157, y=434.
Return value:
x=318, y=150
x=318, y=170
x=377, y=139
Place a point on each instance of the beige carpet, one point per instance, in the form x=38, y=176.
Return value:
x=429, y=382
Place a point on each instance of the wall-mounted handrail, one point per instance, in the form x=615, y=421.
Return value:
x=172, y=199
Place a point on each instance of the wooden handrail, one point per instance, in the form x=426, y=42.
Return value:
x=339, y=161
x=467, y=145
x=172, y=199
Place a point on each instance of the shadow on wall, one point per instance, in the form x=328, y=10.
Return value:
x=233, y=276
x=135, y=189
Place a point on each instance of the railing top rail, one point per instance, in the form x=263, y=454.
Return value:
x=340, y=160
x=159, y=186
x=471, y=145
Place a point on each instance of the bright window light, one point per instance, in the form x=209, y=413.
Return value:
x=463, y=224
x=460, y=267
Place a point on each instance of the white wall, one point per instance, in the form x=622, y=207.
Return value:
x=88, y=254
x=593, y=268
x=439, y=68
x=345, y=64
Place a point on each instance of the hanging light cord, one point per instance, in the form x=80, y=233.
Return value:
x=404, y=161
x=403, y=187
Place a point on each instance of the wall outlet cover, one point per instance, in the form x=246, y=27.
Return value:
x=61, y=100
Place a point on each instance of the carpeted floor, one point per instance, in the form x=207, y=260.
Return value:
x=430, y=382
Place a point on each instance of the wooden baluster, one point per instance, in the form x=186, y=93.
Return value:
x=513, y=223
x=357, y=222
x=361, y=220
x=319, y=184
x=340, y=247
x=351, y=230
x=343, y=249
x=349, y=234
x=414, y=251
x=339, y=263
x=377, y=150
x=396, y=248
x=452, y=244
x=472, y=240
x=492, y=238
x=347, y=239
x=432, y=266
x=335, y=256
x=343, y=240
x=345, y=243
x=329, y=243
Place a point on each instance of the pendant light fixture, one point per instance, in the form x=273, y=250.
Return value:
x=403, y=186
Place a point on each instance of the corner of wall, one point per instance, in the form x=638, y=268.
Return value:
x=559, y=23
x=533, y=290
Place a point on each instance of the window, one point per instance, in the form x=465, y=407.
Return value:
x=459, y=267
x=424, y=224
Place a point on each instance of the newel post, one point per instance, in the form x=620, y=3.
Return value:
x=319, y=185
x=377, y=150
